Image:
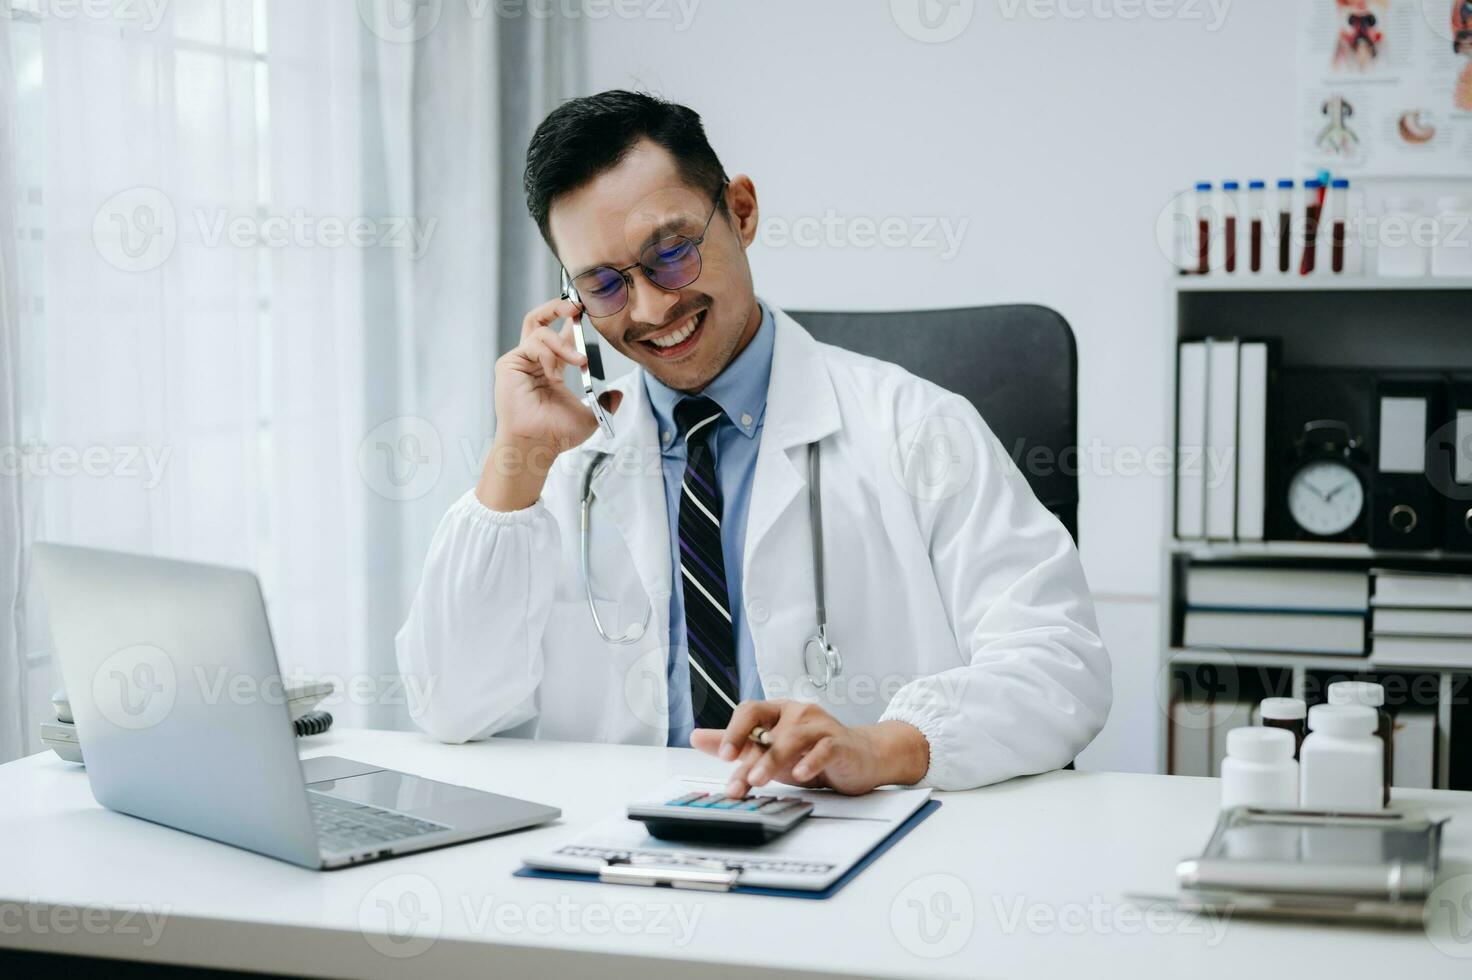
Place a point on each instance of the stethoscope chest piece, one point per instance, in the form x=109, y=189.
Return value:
x=820, y=660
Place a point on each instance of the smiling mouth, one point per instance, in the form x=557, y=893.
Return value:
x=678, y=340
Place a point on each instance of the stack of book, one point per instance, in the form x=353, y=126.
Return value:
x=1276, y=610
x=1421, y=619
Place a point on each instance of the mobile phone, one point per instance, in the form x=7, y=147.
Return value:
x=591, y=372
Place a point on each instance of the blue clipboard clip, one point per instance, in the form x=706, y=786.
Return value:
x=700, y=874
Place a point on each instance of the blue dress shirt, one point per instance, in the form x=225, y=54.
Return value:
x=741, y=392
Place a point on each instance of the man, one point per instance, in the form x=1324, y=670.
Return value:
x=660, y=586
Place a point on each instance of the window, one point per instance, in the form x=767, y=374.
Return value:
x=187, y=97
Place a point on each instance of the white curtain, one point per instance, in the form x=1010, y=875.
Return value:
x=469, y=91
x=13, y=699
x=271, y=292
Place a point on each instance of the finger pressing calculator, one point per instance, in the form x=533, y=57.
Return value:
x=720, y=819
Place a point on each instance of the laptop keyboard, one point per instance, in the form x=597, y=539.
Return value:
x=343, y=825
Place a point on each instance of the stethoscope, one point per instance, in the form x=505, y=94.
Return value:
x=821, y=661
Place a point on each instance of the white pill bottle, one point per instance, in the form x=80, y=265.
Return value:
x=1341, y=763
x=1259, y=769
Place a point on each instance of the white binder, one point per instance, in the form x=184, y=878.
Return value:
x=1221, y=439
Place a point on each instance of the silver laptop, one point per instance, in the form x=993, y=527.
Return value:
x=176, y=693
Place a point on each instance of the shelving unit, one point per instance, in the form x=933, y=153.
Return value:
x=1273, y=282
x=1263, y=658
x=1330, y=550
x=1366, y=323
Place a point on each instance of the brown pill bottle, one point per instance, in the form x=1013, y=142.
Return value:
x=1290, y=714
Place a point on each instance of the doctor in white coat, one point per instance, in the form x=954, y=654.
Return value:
x=967, y=646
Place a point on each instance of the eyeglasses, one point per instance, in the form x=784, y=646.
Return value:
x=670, y=263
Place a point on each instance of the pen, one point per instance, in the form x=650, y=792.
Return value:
x=760, y=736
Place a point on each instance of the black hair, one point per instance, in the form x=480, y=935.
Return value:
x=587, y=136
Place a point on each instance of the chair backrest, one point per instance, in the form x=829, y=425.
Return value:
x=1017, y=364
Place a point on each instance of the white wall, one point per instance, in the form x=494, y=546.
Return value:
x=1056, y=140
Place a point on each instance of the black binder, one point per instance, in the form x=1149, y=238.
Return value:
x=1405, y=509
x=1450, y=463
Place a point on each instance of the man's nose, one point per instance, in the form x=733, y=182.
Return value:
x=648, y=303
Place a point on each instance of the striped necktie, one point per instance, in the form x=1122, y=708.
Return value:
x=713, y=682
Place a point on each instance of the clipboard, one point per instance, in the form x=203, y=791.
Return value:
x=707, y=876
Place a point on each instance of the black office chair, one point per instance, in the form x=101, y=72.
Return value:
x=1017, y=364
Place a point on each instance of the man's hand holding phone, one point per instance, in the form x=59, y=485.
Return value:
x=537, y=415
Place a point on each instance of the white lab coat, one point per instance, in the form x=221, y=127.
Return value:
x=957, y=600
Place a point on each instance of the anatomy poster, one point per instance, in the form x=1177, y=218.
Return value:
x=1385, y=87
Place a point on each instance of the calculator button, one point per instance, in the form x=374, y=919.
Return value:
x=682, y=800
x=748, y=805
x=726, y=805
x=778, y=806
x=707, y=801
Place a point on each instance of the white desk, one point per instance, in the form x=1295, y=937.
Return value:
x=1044, y=863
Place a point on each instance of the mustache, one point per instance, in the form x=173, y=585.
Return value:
x=640, y=331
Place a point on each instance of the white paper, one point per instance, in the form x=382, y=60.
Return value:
x=1463, y=448
x=1389, y=100
x=817, y=852
x=1402, y=435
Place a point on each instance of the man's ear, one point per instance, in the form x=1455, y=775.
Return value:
x=741, y=202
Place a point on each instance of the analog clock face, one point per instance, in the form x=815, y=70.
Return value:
x=1326, y=498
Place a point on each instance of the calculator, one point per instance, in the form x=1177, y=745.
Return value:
x=721, y=819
